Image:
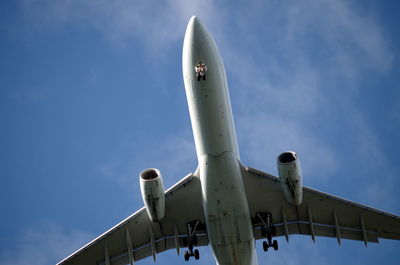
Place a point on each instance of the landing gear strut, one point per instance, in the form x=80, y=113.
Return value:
x=267, y=231
x=191, y=240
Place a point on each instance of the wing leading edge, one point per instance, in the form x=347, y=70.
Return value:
x=320, y=214
x=137, y=237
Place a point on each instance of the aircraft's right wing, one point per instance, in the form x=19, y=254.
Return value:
x=320, y=214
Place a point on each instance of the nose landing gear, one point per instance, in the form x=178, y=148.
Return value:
x=200, y=70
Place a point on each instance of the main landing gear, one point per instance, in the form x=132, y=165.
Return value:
x=267, y=231
x=191, y=240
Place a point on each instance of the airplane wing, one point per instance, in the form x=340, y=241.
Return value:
x=320, y=214
x=137, y=237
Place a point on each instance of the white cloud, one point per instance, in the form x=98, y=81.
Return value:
x=367, y=144
x=380, y=193
x=175, y=157
x=295, y=82
x=156, y=24
x=345, y=29
x=266, y=136
x=159, y=24
x=45, y=244
x=298, y=84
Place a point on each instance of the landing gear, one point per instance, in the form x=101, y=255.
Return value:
x=190, y=241
x=200, y=77
x=200, y=70
x=194, y=254
x=187, y=255
x=275, y=245
x=265, y=246
x=267, y=231
x=270, y=243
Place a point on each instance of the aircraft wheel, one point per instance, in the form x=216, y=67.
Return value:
x=196, y=254
x=275, y=245
x=186, y=255
x=265, y=246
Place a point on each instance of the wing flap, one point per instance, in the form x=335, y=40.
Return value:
x=303, y=228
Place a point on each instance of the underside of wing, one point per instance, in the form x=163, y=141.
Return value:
x=137, y=237
x=319, y=214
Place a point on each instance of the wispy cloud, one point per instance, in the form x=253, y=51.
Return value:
x=45, y=244
x=381, y=193
x=297, y=81
x=299, y=84
x=286, y=90
x=265, y=136
x=155, y=24
x=343, y=28
x=175, y=157
x=337, y=23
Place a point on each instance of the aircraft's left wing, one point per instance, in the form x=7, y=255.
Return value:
x=320, y=214
x=137, y=237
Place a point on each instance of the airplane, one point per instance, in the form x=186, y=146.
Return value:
x=225, y=204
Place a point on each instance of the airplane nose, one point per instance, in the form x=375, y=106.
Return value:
x=193, y=20
x=199, y=47
x=195, y=30
x=195, y=24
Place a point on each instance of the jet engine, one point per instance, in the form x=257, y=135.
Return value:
x=153, y=194
x=290, y=174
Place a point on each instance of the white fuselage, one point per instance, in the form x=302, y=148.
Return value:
x=226, y=210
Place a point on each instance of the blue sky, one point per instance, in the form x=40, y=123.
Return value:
x=91, y=93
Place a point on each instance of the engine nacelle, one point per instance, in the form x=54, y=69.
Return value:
x=290, y=174
x=153, y=194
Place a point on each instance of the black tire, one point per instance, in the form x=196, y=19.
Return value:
x=198, y=77
x=275, y=245
x=196, y=254
x=204, y=77
x=186, y=256
x=265, y=246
